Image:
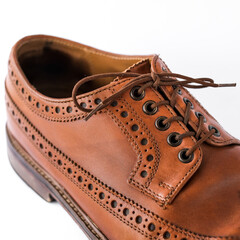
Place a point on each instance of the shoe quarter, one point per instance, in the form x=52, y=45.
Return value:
x=160, y=178
x=158, y=172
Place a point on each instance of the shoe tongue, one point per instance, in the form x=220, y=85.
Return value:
x=141, y=67
x=158, y=65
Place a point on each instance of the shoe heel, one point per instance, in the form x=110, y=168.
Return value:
x=27, y=173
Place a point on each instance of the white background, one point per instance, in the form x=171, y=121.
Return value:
x=195, y=38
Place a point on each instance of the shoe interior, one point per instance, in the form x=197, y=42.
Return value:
x=54, y=67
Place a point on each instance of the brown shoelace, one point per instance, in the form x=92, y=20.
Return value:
x=156, y=80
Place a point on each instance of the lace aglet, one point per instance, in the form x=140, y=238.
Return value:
x=90, y=114
x=227, y=85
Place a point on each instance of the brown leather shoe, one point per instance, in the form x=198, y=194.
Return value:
x=130, y=155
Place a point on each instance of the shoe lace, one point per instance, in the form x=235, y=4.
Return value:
x=156, y=80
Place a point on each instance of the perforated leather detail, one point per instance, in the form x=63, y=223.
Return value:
x=148, y=175
x=142, y=220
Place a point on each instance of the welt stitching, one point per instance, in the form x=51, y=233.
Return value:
x=84, y=172
x=103, y=205
x=26, y=157
x=131, y=202
x=87, y=174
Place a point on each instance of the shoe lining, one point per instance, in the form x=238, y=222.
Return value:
x=53, y=68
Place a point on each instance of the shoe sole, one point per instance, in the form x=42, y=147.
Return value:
x=47, y=188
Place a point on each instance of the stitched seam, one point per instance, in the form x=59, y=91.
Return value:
x=88, y=175
x=165, y=185
x=148, y=133
x=204, y=110
x=156, y=196
x=63, y=119
x=76, y=46
x=153, y=140
x=136, y=147
x=174, y=189
x=26, y=157
x=93, y=198
x=103, y=205
x=80, y=116
x=119, y=195
x=136, y=64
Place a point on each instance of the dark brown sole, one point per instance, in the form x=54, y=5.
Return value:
x=46, y=187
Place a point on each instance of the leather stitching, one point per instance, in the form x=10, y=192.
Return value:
x=120, y=196
x=76, y=46
x=153, y=140
x=164, y=200
x=27, y=158
x=231, y=140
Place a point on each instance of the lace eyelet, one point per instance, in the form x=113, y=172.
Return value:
x=198, y=115
x=172, y=141
x=147, y=108
x=186, y=100
x=217, y=133
x=114, y=103
x=164, y=69
x=179, y=90
x=183, y=158
x=97, y=101
x=159, y=124
x=135, y=95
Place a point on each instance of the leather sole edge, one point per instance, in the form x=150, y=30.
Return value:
x=47, y=188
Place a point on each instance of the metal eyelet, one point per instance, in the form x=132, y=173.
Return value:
x=172, y=140
x=186, y=100
x=183, y=158
x=97, y=101
x=147, y=108
x=217, y=133
x=198, y=115
x=179, y=90
x=135, y=95
x=159, y=124
x=164, y=69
